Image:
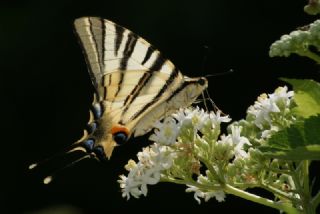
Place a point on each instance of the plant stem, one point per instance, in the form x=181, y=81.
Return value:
x=276, y=191
x=192, y=183
x=287, y=172
x=210, y=168
x=301, y=189
x=309, y=206
x=260, y=200
x=315, y=201
x=305, y=174
x=311, y=55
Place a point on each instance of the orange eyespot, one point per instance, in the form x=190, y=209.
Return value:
x=119, y=128
x=119, y=134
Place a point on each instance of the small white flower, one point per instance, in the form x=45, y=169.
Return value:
x=277, y=102
x=188, y=116
x=182, y=115
x=267, y=133
x=197, y=193
x=129, y=187
x=239, y=142
x=261, y=109
x=281, y=97
x=219, y=194
x=166, y=132
x=225, y=140
x=216, y=118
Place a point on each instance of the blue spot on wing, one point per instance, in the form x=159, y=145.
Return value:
x=99, y=151
x=91, y=127
x=88, y=145
x=97, y=110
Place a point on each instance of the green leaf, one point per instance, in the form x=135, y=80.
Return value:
x=300, y=141
x=307, y=96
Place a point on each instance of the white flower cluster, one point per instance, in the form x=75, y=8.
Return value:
x=271, y=111
x=152, y=160
x=191, y=138
x=160, y=156
x=297, y=41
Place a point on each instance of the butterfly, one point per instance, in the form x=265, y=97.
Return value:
x=135, y=86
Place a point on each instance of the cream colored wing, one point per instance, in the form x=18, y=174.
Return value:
x=135, y=84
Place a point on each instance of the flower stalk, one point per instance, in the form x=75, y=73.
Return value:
x=287, y=207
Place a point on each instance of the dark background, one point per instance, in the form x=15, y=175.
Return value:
x=46, y=91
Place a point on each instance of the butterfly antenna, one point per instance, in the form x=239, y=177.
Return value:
x=50, y=177
x=230, y=71
x=205, y=94
x=206, y=51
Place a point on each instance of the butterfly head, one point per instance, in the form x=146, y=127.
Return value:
x=203, y=82
x=193, y=88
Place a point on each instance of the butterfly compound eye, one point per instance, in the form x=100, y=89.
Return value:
x=202, y=81
x=120, y=138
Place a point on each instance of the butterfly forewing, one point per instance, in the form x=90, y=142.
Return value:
x=109, y=47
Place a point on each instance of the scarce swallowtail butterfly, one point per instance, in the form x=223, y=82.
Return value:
x=135, y=86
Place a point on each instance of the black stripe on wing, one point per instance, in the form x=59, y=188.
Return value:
x=158, y=63
x=156, y=67
x=136, y=90
x=118, y=38
x=144, y=79
x=128, y=50
x=148, y=55
x=174, y=74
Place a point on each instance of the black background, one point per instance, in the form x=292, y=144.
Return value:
x=46, y=91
